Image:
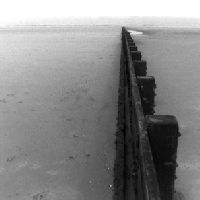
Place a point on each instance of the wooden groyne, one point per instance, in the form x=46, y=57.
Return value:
x=146, y=144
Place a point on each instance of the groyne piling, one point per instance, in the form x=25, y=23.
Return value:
x=133, y=48
x=146, y=144
x=163, y=136
x=140, y=67
x=146, y=86
x=136, y=55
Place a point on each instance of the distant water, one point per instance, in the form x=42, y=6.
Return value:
x=115, y=21
x=135, y=32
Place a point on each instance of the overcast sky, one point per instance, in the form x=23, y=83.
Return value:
x=24, y=9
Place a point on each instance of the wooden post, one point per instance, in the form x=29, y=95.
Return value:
x=163, y=136
x=136, y=55
x=146, y=86
x=129, y=39
x=133, y=48
x=140, y=67
x=128, y=36
x=131, y=44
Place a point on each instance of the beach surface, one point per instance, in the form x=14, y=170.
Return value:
x=58, y=105
x=172, y=56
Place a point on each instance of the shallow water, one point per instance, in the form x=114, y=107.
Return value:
x=172, y=57
x=58, y=105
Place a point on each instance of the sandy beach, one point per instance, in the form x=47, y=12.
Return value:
x=172, y=56
x=58, y=105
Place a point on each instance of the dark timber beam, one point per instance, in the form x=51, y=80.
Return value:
x=163, y=135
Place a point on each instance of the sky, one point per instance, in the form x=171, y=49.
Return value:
x=36, y=9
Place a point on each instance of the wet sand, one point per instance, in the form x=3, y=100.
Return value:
x=58, y=105
x=172, y=57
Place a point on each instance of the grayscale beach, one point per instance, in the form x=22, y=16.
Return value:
x=58, y=106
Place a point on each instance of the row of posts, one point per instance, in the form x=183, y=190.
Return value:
x=163, y=131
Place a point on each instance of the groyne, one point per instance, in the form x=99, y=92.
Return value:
x=146, y=144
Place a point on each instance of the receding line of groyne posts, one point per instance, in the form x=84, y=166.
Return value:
x=146, y=144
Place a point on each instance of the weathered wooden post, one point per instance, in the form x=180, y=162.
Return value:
x=163, y=135
x=140, y=67
x=136, y=55
x=131, y=43
x=129, y=39
x=146, y=86
x=132, y=48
